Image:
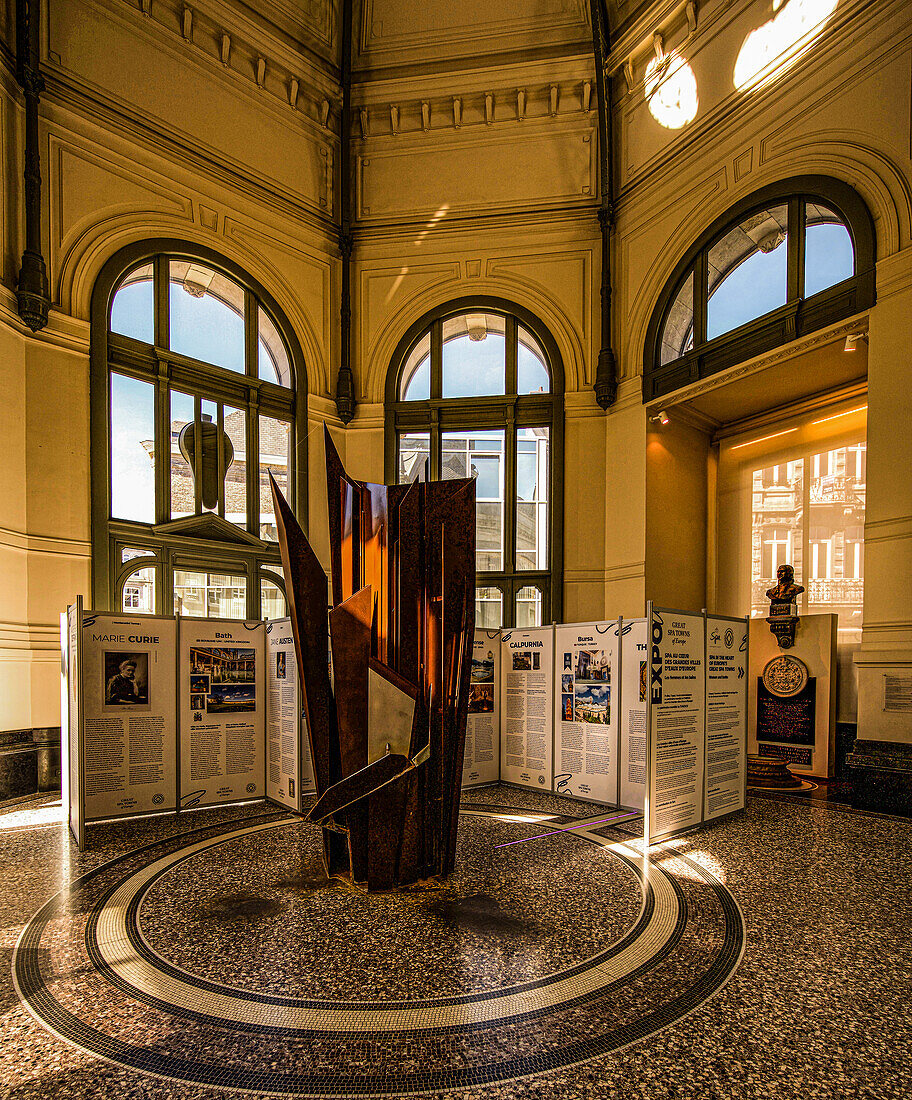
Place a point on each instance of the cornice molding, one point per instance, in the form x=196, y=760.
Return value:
x=26, y=542
x=405, y=112
x=62, y=330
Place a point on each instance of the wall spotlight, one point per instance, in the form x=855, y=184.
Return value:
x=852, y=341
x=661, y=417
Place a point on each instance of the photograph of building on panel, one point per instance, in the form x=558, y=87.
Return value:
x=483, y=669
x=593, y=665
x=232, y=677
x=592, y=703
x=522, y=661
x=566, y=708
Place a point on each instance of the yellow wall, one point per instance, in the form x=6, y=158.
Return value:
x=475, y=172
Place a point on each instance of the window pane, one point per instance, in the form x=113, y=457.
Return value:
x=183, y=500
x=677, y=336
x=836, y=538
x=528, y=606
x=235, y=421
x=488, y=608
x=777, y=531
x=207, y=315
x=531, y=372
x=828, y=254
x=132, y=449
x=272, y=601
x=210, y=595
x=132, y=311
x=747, y=271
x=416, y=375
x=414, y=449
x=139, y=592
x=275, y=441
x=272, y=358
x=480, y=454
x=128, y=553
x=532, y=498
x=474, y=352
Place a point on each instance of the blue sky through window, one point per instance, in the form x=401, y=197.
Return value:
x=207, y=329
x=131, y=311
x=756, y=286
x=132, y=471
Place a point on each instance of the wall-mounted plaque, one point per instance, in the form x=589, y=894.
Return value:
x=785, y=676
x=787, y=718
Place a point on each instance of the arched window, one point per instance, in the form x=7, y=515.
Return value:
x=789, y=260
x=196, y=383
x=476, y=390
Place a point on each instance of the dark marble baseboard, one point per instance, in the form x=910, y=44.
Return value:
x=29, y=762
x=881, y=774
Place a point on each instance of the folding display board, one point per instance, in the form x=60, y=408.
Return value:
x=527, y=666
x=585, y=710
x=676, y=713
x=289, y=771
x=481, y=762
x=632, y=733
x=72, y=724
x=163, y=714
x=129, y=734
x=725, y=784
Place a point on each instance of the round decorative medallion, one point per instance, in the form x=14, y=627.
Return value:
x=785, y=675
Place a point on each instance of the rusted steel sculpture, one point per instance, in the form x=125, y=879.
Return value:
x=387, y=732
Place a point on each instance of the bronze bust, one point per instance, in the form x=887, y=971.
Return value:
x=782, y=616
x=785, y=590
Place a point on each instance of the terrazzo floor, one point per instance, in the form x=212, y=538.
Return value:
x=207, y=956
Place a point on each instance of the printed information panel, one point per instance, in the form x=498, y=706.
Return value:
x=676, y=721
x=289, y=768
x=481, y=763
x=222, y=711
x=585, y=713
x=76, y=808
x=726, y=716
x=129, y=734
x=527, y=662
x=632, y=743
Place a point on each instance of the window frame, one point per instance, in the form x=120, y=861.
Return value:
x=155, y=363
x=509, y=412
x=797, y=317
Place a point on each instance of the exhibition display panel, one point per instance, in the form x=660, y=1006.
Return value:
x=648, y=715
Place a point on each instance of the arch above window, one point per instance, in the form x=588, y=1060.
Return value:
x=786, y=261
x=475, y=388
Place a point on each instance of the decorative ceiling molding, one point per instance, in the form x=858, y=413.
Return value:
x=415, y=115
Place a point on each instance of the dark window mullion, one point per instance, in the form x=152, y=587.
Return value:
x=512, y=353
x=436, y=385
x=253, y=465
x=197, y=455
x=162, y=302
x=701, y=297
x=220, y=454
x=795, y=259
x=251, y=335
x=509, y=532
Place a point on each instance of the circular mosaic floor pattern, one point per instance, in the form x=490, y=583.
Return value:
x=223, y=957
